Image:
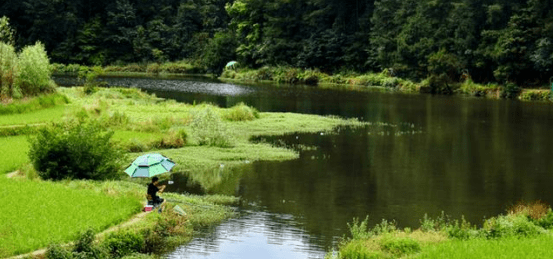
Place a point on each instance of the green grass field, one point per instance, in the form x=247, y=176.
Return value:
x=35, y=214
x=13, y=153
x=513, y=247
x=34, y=117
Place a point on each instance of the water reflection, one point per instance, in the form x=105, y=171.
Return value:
x=253, y=235
x=423, y=154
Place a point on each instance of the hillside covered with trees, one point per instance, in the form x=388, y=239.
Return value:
x=490, y=40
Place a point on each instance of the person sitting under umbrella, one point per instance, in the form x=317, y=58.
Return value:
x=153, y=189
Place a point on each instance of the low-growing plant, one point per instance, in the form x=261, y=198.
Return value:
x=400, y=246
x=534, y=210
x=34, y=103
x=510, y=90
x=77, y=150
x=359, y=230
x=384, y=227
x=357, y=249
x=123, y=243
x=56, y=251
x=241, y=112
x=535, y=95
x=510, y=225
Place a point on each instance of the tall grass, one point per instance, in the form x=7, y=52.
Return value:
x=538, y=247
x=13, y=154
x=35, y=214
x=32, y=104
x=38, y=116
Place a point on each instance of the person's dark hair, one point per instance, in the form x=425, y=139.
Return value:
x=154, y=179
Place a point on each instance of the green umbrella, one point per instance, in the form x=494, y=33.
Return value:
x=149, y=165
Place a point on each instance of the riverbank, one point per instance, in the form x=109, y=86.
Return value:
x=384, y=81
x=205, y=141
x=525, y=231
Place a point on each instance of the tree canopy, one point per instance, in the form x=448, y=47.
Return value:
x=492, y=40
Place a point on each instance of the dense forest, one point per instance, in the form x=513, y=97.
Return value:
x=490, y=40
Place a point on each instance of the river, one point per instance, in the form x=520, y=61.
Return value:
x=422, y=154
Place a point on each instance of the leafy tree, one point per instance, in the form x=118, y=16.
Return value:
x=6, y=32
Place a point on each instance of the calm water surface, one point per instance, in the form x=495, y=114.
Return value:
x=421, y=154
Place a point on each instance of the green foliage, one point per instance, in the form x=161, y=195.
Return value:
x=510, y=225
x=359, y=230
x=208, y=128
x=74, y=150
x=241, y=112
x=400, y=246
x=123, y=243
x=11, y=159
x=358, y=250
x=56, y=251
x=510, y=90
x=7, y=33
x=219, y=51
x=33, y=71
x=26, y=210
x=33, y=104
x=535, y=95
x=545, y=221
x=8, y=71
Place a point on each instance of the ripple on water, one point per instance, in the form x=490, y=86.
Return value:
x=253, y=235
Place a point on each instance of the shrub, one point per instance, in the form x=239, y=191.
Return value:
x=56, y=251
x=209, y=129
x=85, y=248
x=462, y=230
x=241, y=112
x=74, y=150
x=34, y=71
x=400, y=245
x=124, y=243
x=359, y=230
x=546, y=221
x=534, y=210
x=535, y=95
x=510, y=91
x=510, y=225
x=153, y=69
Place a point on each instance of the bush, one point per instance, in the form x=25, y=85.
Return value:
x=510, y=225
x=56, y=251
x=74, y=150
x=85, y=248
x=34, y=71
x=124, y=243
x=209, y=129
x=241, y=112
x=400, y=246
x=510, y=91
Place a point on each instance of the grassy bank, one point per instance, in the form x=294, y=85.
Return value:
x=385, y=81
x=525, y=231
x=199, y=138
